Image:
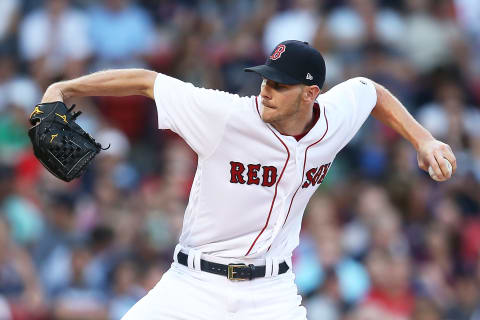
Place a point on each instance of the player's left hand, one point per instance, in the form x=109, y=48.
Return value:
x=53, y=93
x=432, y=153
x=59, y=143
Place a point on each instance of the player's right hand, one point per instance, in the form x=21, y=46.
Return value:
x=432, y=153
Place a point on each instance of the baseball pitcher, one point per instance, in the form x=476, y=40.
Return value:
x=260, y=159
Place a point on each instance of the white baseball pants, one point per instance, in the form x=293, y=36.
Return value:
x=189, y=294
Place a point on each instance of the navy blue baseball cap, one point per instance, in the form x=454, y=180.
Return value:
x=293, y=62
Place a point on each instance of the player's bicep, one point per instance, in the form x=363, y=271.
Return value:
x=198, y=115
x=352, y=101
x=364, y=99
x=147, y=83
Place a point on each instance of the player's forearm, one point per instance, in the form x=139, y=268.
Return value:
x=391, y=112
x=104, y=83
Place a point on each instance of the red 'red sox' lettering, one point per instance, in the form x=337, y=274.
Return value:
x=236, y=172
x=316, y=175
x=269, y=176
x=252, y=176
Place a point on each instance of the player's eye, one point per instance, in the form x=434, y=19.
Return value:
x=276, y=85
x=281, y=87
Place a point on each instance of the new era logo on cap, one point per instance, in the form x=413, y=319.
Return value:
x=293, y=62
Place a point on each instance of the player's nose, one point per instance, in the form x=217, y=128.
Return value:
x=265, y=91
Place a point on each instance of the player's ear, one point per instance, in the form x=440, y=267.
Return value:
x=310, y=93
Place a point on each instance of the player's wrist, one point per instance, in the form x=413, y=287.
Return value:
x=55, y=92
x=421, y=139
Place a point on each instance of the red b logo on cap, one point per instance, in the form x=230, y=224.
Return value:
x=278, y=52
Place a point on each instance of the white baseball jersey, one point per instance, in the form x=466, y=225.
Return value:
x=252, y=183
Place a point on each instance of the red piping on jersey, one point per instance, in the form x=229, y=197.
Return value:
x=276, y=185
x=305, y=162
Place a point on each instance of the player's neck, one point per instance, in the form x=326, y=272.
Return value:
x=297, y=124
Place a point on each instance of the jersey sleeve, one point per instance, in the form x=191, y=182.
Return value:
x=352, y=102
x=198, y=115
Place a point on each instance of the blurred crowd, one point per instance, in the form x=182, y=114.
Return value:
x=380, y=240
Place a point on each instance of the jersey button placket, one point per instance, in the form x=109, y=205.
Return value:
x=284, y=192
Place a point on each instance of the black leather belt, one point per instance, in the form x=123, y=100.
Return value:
x=234, y=272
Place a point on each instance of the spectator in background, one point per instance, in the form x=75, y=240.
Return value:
x=103, y=256
x=390, y=296
x=52, y=252
x=328, y=261
x=386, y=232
x=323, y=42
x=326, y=303
x=115, y=157
x=466, y=303
x=9, y=17
x=18, y=280
x=7, y=73
x=125, y=289
x=425, y=310
x=468, y=16
x=122, y=34
x=77, y=300
x=299, y=22
x=194, y=64
x=434, y=273
x=54, y=41
x=242, y=52
x=433, y=36
x=357, y=22
x=373, y=225
x=22, y=214
x=20, y=93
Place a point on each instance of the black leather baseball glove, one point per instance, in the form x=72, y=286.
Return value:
x=59, y=143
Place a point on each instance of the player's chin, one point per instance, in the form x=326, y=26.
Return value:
x=268, y=115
